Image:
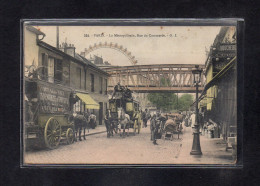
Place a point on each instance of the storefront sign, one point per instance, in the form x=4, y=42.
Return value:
x=228, y=47
x=219, y=65
x=53, y=100
x=225, y=55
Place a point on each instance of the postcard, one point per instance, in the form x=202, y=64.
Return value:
x=118, y=93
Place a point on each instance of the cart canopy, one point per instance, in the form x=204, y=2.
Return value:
x=90, y=103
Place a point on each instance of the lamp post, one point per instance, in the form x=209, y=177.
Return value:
x=196, y=150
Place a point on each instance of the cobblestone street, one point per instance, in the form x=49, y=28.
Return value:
x=98, y=149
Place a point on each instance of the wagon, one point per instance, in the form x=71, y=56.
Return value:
x=171, y=127
x=48, y=117
x=130, y=106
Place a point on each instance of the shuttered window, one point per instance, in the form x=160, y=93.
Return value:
x=51, y=70
x=58, y=71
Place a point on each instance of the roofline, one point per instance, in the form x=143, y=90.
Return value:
x=54, y=49
x=34, y=30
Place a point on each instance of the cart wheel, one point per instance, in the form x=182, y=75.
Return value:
x=52, y=133
x=69, y=136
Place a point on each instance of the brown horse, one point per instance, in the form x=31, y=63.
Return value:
x=110, y=126
x=80, y=122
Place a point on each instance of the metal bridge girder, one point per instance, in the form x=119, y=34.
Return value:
x=141, y=77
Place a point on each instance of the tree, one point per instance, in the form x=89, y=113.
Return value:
x=185, y=101
x=164, y=101
x=170, y=102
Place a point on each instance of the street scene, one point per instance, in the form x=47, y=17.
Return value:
x=144, y=95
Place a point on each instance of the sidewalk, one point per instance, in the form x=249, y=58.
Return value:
x=98, y=130
x=213, y=150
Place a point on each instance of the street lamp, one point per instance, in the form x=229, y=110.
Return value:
x=196, y=150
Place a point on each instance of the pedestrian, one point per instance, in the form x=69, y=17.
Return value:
x=92, y=121
x=152, y=126
x=146, y=116
x=137, y=121
x=155, y=127
x=193, y=119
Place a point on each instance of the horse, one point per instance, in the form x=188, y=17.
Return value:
x=109, y=124
x=80, y=122
x=123, y=120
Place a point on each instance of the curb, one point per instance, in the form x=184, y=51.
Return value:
x=95, y=133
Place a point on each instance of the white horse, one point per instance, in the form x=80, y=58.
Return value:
x=123, y=121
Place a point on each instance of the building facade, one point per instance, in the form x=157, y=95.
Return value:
x=63, y=66
x=219, y=98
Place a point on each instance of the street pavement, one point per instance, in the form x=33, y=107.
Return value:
x=213, y=150
x=98, y=149
x=138, y=149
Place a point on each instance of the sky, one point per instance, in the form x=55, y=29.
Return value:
x=182, y=44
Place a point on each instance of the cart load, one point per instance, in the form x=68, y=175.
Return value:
x=171, y=127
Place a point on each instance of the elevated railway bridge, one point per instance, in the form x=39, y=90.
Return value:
x=155, y=78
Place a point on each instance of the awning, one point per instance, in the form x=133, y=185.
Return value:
x=90, y=103
x=213, y=81
x=224, y=70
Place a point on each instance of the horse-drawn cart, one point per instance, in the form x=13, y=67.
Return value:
x=122, y=104
x=172, y=126
x=47, y=113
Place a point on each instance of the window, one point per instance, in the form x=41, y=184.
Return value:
x=106, y=86
x=78, y=80
x=51, y=70
x=44, y=67
x=77, y=106
x=101, y=85
x=57, y=71
x=92, y=82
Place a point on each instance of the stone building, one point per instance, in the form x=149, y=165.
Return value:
x=97, y=60
x=63, y=66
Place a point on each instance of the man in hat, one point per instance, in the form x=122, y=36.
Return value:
x=155, y=126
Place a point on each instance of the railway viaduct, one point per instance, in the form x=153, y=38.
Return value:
x=155, y=78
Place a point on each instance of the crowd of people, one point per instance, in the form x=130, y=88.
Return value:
x=85, y=121
x=206, y=126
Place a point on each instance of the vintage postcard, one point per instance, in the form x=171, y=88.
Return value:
x=114, y=93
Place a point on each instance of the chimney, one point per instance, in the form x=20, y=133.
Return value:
x=70, y=50
x=82, y=54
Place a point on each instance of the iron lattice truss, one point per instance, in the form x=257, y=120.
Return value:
x=155, y=78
